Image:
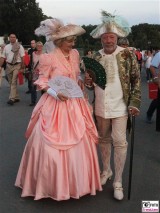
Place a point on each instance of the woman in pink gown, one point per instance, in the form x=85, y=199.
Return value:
x=60, y=158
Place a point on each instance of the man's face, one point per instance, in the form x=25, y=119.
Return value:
x=12, y=38
x=109, y=42
x=33, y=44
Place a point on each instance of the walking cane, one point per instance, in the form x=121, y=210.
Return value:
x=131, y=155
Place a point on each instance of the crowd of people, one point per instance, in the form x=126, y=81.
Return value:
x=60, y=159
x=147, y=64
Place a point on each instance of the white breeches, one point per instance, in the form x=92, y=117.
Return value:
x=113, y=131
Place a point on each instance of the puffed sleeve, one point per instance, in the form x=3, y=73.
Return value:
x=45, y=68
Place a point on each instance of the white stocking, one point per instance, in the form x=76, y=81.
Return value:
x=105, y=149
x=119, y=162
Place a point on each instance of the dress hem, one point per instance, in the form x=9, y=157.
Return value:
x=42, y=197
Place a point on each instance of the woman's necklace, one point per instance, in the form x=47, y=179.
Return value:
x=66, y=54
x=66, y=57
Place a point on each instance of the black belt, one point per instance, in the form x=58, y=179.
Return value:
x=14, y=64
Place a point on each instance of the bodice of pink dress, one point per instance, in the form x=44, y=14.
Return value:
x=55, y=64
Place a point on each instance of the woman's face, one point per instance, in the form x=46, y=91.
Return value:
x=68, y=43
x=39, y=47
x=109, y=42
x=124, y=45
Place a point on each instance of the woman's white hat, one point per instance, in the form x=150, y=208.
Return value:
x=68, y=30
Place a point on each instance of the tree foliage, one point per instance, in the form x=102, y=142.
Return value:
x=22, y=17
x=145, y=36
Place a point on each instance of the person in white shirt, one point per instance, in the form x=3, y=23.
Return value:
x=14, y=55
x=2, y=71
x=147, y=66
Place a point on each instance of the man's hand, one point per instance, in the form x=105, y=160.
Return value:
x=155, y=80
x=133, y=111
x=21, y=70
x=81, y=84
x=1, y=61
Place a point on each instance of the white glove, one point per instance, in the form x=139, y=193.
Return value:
x=52, y=93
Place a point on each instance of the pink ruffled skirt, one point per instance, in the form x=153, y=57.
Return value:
x=60, y=158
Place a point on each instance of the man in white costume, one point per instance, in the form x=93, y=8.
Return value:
x=120, y=97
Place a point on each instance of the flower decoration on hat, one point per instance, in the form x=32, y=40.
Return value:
x=111, y=24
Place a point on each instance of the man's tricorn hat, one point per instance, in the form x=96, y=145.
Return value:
x=111, y=24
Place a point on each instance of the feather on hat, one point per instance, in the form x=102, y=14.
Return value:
x=111, y=24
x=48, y=27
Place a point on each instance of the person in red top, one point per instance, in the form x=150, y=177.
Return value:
x=139, y=57
x=26, y=59
x=26, y=63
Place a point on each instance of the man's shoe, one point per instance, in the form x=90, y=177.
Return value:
x=32, y=104
x=148, y=119
x=105, y=176
x=28, y=92
x=16, y=100
x=118, y=191
x=10, y=102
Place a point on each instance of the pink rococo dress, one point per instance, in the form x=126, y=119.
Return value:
x=60, y=158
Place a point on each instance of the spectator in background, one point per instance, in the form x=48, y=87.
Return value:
x=139, y=57
x=147, y=65
x=88, y=53
x=26, y=58
x=14, y=55
x=155, y=104
x=30, y=51
x=123, y=42
x=2, y=71
x=26, y=63
x=35, y=71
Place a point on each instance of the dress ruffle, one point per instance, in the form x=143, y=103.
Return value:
x=57, y=122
